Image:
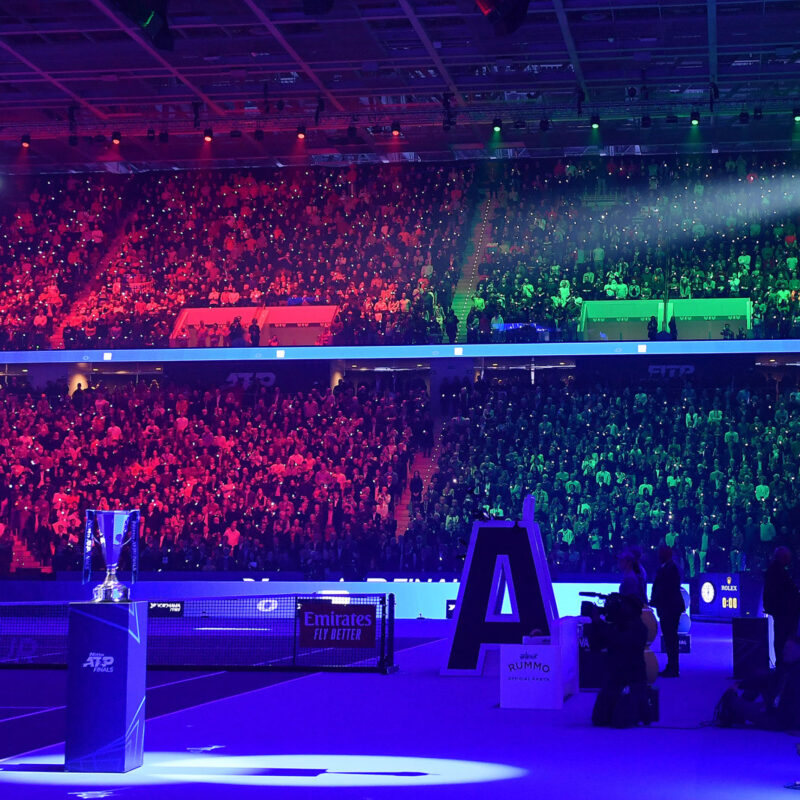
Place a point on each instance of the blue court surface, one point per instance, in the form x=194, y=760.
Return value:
x=410, y=734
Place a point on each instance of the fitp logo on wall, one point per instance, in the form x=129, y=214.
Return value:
x=99, y=662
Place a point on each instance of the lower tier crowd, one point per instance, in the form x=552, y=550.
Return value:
x=258, y=478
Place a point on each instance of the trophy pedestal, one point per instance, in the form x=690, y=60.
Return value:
x=107, y=664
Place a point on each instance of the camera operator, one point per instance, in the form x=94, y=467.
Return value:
x=624, y=699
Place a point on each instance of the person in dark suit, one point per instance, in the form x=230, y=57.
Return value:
x=781, y=600
x=667, y=599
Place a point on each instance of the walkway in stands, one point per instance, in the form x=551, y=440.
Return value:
x=462, y=300
x=417, y=734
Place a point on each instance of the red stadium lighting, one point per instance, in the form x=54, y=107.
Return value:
x=208, y=135
x=26, y=140
x=301, y=131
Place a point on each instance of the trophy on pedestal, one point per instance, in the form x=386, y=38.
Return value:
x=112, y=530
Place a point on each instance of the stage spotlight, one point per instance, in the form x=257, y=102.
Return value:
x=744, y=117
x=695, y=118
x=757, y=113
x=259, y=135
x=301, y=131
x=208, y=135
x=497, y=125
x=506, y=16
x=395, y=129
x=796, y=114
x=73, y=140
x=646, y=121
x=151, y=134
x=151, y=17
x=544, y=124
x=595, y=121
x=163, y=137
x=116, y=137
x=26, y=140
x=352, y=131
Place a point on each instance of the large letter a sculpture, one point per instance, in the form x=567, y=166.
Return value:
x=504, y=559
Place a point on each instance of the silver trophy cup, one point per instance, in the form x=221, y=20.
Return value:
x=112, y=530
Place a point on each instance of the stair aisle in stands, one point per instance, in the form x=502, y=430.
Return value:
x=462, y=300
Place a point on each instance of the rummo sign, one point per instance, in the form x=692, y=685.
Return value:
x=321, y=623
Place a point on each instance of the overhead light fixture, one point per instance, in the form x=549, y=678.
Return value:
x=744, y=117
x=757, y=113
x=352, y=131
x=395, y=129
x=544, y=124
x=259, y=135
x=163, y=137
x=796, y=114
x=73, y=140
x=208, y=135
x=497, y=125
x=301, y=131
x=595, y=121
x=151, y=134
x=646, y=121
x=116, y=137
x=695, y=118
x=506, y=16
x=26, y=140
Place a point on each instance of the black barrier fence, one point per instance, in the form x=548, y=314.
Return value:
x=311, y=632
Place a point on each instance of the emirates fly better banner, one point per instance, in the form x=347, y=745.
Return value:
x=322, y=623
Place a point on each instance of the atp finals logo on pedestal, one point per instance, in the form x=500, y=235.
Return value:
x=99, y=662
x=322, y=623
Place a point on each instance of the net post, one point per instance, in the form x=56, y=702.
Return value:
x=294, y=635
x=384, y=622
x=390, y=666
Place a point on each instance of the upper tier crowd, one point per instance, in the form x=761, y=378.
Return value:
x=226, y=478
x=634, y=229
x=710, y=472
x=381, y=243
x=110, y=261
x=50, y=245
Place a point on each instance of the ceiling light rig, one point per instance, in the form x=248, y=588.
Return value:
x=208, y=135
x=497, y=125
x=595, y=121
x=301, y=132
x=25, y=141
x=395, y=128
x=116, y=137
x=695, y=118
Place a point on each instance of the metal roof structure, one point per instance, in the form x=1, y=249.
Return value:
x=255, y=70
